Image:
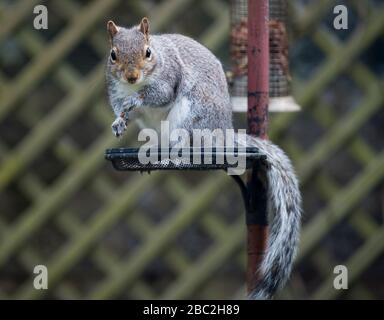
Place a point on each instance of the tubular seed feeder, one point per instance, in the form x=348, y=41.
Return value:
x=251, y=50
x=279, y=76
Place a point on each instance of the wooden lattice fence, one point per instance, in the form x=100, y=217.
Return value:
x=104, y=234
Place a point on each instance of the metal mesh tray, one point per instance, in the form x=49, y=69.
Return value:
x=127, y=159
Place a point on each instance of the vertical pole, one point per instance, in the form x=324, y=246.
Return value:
x=258, y=94
x=258, y=67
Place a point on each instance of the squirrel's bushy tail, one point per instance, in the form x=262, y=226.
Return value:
x=284, y=202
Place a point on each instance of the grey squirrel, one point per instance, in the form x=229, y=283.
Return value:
x=175, y=70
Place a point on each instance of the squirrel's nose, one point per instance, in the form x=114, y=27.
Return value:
x=132, y=79
x=131, y=76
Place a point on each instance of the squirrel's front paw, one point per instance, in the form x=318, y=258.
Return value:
x=119, y=126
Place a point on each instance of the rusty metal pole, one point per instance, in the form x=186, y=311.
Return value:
x=258, y=94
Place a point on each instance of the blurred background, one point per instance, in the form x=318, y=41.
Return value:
x=105, y=234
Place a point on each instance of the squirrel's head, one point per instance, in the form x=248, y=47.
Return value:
x=131, y=59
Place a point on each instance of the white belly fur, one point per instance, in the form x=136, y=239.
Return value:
x=179, y=112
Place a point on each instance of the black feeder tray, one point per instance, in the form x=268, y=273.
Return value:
x=127, y=159
x=254, y=194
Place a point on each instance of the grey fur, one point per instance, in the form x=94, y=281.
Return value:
x=186, y=76
x=284, y=203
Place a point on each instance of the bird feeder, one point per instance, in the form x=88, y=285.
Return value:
x=251, y=51
x=281, y=99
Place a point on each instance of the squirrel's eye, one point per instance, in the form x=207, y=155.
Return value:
x=113, y=56
x=148, y=53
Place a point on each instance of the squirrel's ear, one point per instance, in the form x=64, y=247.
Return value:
x=112, y=28
x=144, y=27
